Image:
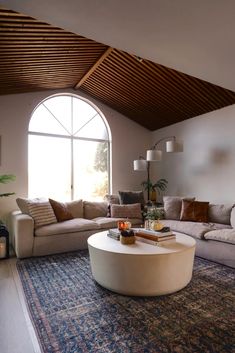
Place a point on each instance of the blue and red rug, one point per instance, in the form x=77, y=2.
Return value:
x=73, y=314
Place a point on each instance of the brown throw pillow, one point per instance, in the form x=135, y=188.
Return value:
x=173, y=205
x=61, y=211
x=195, y=211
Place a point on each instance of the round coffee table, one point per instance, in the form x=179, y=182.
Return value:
x=141, y=269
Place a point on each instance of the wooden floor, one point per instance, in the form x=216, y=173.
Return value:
x=16, y=331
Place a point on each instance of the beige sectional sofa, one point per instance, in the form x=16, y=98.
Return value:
x=215, y=238
x=57, y=237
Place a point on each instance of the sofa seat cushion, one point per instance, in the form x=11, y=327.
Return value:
x=108, y=222
x=215, y=226
x=194, y=229
x=223, y=235
x=73, y=225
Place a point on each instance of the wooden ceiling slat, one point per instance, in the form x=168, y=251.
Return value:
x=136, y=115
x=149, y=99
x=121, y=97
x=182, y=91
x=154, y=86
x=94, y=67
x=191, y=87
x=36, y=56
x=158, y=86
x=165, y=84
x=14, y=69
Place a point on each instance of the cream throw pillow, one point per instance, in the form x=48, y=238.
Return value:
x=23, y=203
x=42, y=213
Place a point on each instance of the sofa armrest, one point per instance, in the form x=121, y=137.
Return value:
x=23, y=234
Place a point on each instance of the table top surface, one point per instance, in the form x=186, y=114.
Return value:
x=102, y=242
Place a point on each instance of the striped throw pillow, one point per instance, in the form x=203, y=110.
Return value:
x=42, y=213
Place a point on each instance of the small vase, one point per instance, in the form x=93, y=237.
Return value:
x=156, y=225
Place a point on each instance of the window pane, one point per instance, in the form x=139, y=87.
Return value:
x=49, y=167
x=94, y=129
x=90, y=170
x=43, y=121
x=82, y=113
x=61, y=108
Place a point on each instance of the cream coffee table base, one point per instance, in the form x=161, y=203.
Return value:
x=141, y=269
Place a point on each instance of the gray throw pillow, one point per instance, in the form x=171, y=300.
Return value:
x=220, y=213
x=172, y=206
x=232, y=217
x=130, y=197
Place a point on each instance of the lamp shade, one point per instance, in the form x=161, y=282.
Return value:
x=171, y=146
x=140, y=164
x=154, y=155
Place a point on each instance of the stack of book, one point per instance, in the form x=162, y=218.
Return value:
x=154, y=237
x=114, y=234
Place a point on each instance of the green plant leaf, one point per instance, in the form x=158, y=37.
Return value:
x=6, y=178
x=7, y=194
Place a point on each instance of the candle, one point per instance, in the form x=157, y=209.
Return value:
x=2, y=250
x=124, y=225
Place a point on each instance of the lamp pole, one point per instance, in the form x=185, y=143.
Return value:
x=148, y=180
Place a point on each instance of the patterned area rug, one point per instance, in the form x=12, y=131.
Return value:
x=73, y=314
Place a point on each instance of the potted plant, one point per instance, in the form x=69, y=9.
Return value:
x=6, y=178
x=154, y=213
x=155, y=188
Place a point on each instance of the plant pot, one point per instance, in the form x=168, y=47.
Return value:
x=153, y=196
x=127, y=240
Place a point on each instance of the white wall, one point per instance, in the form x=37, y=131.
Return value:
x=206, y=168
x=128, y=141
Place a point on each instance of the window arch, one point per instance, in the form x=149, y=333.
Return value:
x=68, y=150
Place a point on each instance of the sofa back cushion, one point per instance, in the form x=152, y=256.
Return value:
x=126, y=211
x=172, y=206
x=95, y=209
x=112, y=199
x=232, y=217
x=219, y=213
x=194, y=211
x=75, y=208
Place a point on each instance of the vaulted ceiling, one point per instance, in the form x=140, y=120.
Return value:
x=37, y=56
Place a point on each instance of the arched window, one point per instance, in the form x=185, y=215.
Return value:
x=69, y=150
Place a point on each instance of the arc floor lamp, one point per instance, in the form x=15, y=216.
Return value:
x=155, y=155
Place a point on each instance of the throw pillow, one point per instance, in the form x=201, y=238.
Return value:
x=75, y=208
x=61, y=211
x=172, y=206
x=42, y=213
x=95, y=209
x=126, y=211
x=220, y=213
x=130, y=197
x=232, y=217
x=195, y=211
x=23, y=203
x=111, y=199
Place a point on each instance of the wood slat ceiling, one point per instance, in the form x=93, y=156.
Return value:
x=37, y=56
